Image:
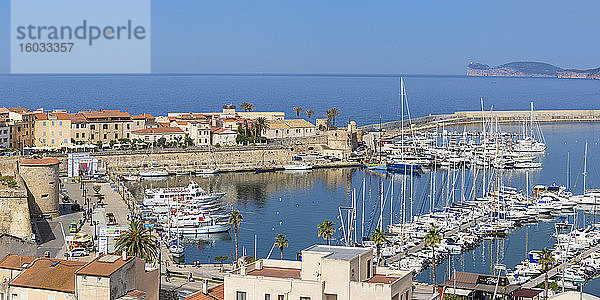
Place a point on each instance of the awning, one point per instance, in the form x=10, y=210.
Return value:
x=458, y=292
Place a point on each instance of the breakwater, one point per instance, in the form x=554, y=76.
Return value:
x=477, y=117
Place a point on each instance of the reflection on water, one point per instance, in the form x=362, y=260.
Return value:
x=294, y=203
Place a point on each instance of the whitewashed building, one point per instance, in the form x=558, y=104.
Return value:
x=325, y=272
x=292, y=128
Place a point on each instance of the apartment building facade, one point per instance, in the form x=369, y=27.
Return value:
x=324, y=273
x=52, y=129
x=152, y=135
x=105, y=125
x=4, y=133
x=291, y=128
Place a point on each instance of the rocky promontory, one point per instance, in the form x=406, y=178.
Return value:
x=530, y=69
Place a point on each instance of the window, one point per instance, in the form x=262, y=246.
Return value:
x=77, y=135
x=52, y=141
x=52, y=123
x=116, y=126
x=92, y=136
x=44, y=123
x=59, y=123
x=240, y=295
x=84, y=278
x=280, y=297
x=267, y=296
x=60, y=133
x=93, y=127
x=44, y=133
x=83, y=125
x=52, y=133
x=105, y=136
x=105, y=126
x=66, y=141
x=116, y=136
x=83, y=134
x=368, y=268
x=304, y=298
x=128, y=126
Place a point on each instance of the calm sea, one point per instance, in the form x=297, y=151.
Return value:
x=358, y=98
x=294, y=203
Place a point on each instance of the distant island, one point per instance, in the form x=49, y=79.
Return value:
x=530, y=69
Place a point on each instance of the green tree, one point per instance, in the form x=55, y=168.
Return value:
x=298, y=110
x=221, y=260
x=281, y=242
x=161, y=142
x=261, y=125
x=331, y=114
x=326, y=230
x=432, y=238
x=235, y=219
x=247, y=106
x=547, y=260
x=178, y=141
x=188, y=140
x=112, y=143
x=379, y=238
x=99, y=144
x=309, y=113
x=138, y=241
x=96, y=189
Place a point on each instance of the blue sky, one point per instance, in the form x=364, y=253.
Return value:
x=370, y=37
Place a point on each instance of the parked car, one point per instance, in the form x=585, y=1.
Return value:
x=77, y=252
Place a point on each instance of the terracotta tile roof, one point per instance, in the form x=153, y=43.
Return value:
x=382, y=279
x=49, y=274
x=276, y=272
x=143, y=116
x=41, y=116
x=47, y=116
x=18, y=109
x=298, y=123
x=214, y=293
x=39, y=161
x=159, y=130
x=16, y=262
x=104, y=265
x=134, y=295
x=102, y=114
x=223, y=131
x=4, y=110
x=164, y=124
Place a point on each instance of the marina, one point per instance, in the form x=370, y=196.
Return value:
x=273, y=202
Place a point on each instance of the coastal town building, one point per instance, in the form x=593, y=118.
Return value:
x=105, y=125
x=22, y=128
x=4, y=133
x=223, y=136
x=143, y=121
x=106, y=277
x=324, y=272
x=229, y=111
x=52, y=130
x=291, y=128
x=152, y=135
x=199, y=132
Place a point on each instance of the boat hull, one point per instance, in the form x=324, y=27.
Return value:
x=199, y=230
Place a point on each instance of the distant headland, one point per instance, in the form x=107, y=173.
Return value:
x=530, y=69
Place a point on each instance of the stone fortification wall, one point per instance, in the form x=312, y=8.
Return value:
x=14, y=213
x=42, y=182
x=231, y=159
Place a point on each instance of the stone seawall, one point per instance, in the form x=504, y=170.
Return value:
x=224, y=160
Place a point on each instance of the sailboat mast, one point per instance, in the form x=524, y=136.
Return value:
x=362, y=218
x=401, y=118
x=585, y=166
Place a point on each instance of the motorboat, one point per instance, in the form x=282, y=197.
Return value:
x=154, y=173
x=298, y=167
x=206, y=171
x=201, y=223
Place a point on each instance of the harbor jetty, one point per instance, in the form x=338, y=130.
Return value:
x=429, y=122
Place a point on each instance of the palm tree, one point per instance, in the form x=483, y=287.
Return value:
x=261, y=125
x=309, y=113
x=334, y=112
x=547, y=260
x=281, y=241
x=432, y=238
x=138, y=241
x=379, y=238
x=298, y=110
x=235, y=219
x=247, y=106
x=326, y=230
x=329, y=117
